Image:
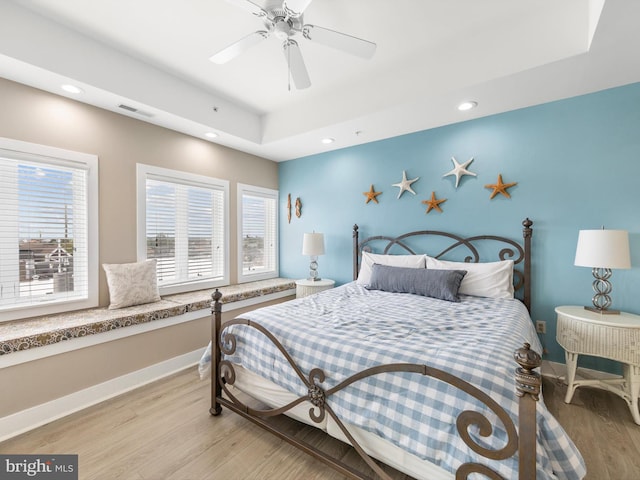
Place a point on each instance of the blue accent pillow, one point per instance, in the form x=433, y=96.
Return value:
x=441, y=284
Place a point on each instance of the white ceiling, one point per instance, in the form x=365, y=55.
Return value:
x=431, y=54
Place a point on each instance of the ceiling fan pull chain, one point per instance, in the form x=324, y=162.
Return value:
x=288, y=67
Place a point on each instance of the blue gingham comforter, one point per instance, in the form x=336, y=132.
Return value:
x=347, y=329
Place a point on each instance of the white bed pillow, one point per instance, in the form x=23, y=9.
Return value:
x=132, y=283
x=368, y=259
x=492, y=279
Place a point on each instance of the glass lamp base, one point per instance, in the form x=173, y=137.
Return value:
x=313, y=270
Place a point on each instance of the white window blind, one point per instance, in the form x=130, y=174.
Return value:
x=44, y=230
x=258, y=233
x=185, y=228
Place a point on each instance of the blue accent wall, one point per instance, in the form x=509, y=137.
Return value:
x=577, y=164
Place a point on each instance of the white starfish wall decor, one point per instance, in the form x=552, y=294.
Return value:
x=459, y=170
x=405, y=185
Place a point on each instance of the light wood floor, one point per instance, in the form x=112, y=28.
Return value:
x=163, y=431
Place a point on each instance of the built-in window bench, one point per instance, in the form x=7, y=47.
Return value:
x=48, y=330
x=58, y=364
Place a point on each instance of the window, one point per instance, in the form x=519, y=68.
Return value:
x=48, y=230
x=257, y=233
x=183, y=223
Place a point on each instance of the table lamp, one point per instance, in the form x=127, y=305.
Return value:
x=602, y=250
x=313, y=245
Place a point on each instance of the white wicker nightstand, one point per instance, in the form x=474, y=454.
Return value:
x=617, y=337
x=307, y=287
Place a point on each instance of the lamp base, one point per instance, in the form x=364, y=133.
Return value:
x=313, y=269
x=602, y=287
x=602, y=311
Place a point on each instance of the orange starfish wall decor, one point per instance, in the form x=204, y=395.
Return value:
x=500, y=187
x=434, y=203
x=371, y=195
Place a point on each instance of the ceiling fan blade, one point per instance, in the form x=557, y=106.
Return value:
x=340, y=41
x=249, y=6
x=297, y=68
x=235, y=49
x=295, y=8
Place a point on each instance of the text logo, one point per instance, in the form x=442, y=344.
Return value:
x=39, y=467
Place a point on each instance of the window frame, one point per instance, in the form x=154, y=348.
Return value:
x=265, y=193
x=57, y=157
x=143, y=172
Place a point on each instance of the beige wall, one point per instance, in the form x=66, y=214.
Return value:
x=120, y=142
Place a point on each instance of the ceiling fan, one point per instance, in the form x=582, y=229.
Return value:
x=284, y=21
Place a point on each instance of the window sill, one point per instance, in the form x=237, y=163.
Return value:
x=48, y=330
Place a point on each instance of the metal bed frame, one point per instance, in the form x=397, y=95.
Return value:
x=527, y=382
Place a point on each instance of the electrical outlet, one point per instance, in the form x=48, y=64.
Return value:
x=541, y=326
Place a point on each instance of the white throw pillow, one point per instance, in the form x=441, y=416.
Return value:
x=368, y=259
x=492, y=279
x=132, y=283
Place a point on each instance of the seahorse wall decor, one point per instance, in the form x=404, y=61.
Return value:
x=298, y=207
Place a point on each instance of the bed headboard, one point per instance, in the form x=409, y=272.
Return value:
x=467, y=249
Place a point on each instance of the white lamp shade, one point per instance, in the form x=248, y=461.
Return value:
x=603, y=249
x=313, y=244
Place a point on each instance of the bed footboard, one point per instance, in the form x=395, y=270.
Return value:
x=521, y=439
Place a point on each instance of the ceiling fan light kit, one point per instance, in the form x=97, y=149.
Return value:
x=285, y=22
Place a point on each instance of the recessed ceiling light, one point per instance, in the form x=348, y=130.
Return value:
x=328, y=140
x=464, y=106
x=72, y=89
x=211, y=135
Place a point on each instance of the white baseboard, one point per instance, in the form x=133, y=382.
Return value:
x=25, y=420
x=559, y=370
x=553, y=369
